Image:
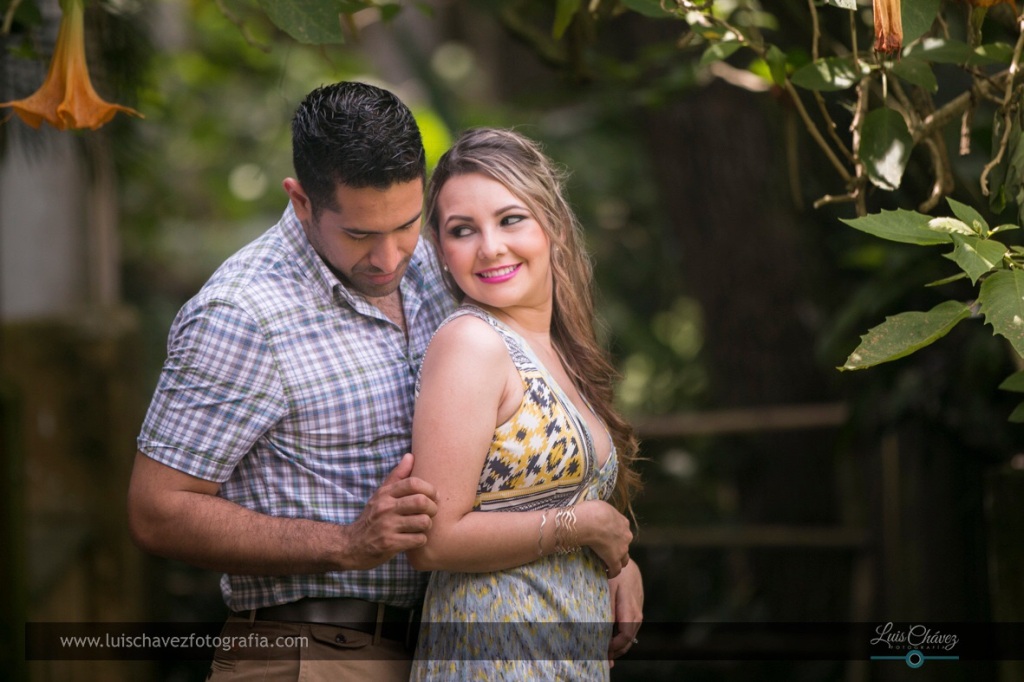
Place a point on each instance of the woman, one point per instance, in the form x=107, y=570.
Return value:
x=515, y=426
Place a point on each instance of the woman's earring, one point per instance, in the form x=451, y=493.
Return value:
x=445, y=267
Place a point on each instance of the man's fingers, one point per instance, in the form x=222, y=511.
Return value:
x=416, y=523
x=401, y=471
x=418, y=503
x=398, y=516
x=412, y=486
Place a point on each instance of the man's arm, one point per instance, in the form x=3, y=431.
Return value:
x=175, y=515
x=627, y=595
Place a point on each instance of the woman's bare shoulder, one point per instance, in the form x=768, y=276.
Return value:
x=468, y=334
x=467, y=367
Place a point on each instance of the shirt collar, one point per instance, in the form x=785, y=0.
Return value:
x=308, y=262
x=316, y=270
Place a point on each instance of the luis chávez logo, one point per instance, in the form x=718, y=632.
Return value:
x=913, y=644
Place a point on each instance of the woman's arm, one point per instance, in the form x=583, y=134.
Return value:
x=468, y=386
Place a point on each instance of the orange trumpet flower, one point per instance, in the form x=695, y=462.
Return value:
x=888, y=26
x=67, y=100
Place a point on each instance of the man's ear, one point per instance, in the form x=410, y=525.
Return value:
x=300, y=201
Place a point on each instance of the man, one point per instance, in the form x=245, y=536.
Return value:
x=272, y=450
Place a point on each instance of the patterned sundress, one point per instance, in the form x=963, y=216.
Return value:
x=550, y=619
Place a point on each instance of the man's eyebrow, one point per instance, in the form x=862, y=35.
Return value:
x=356, y=230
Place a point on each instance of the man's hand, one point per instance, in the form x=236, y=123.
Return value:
x=396, y=518
x=176, y=515
x=627, y=596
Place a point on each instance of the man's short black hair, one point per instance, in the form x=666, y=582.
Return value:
x=354, y=134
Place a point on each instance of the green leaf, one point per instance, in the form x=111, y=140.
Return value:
x=917, y=18
x=976, y=256
x=829, y=74
x=313, y=22
x=908, y=227
x=941, y=51
x=1004, y=228
x=1002, y=304
x=1014, y=382
x=916, y=72
x=776, y=59
x=997, y=202
x=970, y=216
x=1017, y=416
x=885, y=147
x=993, y=53
x=843, y=4
x=716, y=52
x=951, y=226
x=760, y=68
x=900, y=335
x=565, y=10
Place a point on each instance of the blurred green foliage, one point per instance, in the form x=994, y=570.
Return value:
x=202, y=175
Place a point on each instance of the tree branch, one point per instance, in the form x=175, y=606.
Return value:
x=1006, y=109
x=943, y=184
x=943, y=115
x=816, y=134
x=856, y=126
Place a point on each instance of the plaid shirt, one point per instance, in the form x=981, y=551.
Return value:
x=297, y=395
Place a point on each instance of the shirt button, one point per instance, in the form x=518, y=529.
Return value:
x=340, y=639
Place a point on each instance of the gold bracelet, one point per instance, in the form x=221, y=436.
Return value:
x=574, y=538
x=558, y=531
x=573, y=535
x=566, y=540
x=540, y=540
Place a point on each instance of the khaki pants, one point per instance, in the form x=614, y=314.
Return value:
x=274, y=650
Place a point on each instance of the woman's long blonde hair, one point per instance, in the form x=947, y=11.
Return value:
x=519, y=164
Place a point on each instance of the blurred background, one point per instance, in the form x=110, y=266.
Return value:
x=777, y=489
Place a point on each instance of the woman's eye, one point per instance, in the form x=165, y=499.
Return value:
x=460, y=231
x=512, y=219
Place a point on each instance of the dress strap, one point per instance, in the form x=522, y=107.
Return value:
x=521, y=357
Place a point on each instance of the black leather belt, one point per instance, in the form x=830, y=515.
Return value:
x=380, y=620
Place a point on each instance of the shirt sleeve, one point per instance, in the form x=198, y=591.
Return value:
x=219, y=392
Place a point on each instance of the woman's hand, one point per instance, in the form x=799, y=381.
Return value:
x=602, y=528
x=627, y=597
